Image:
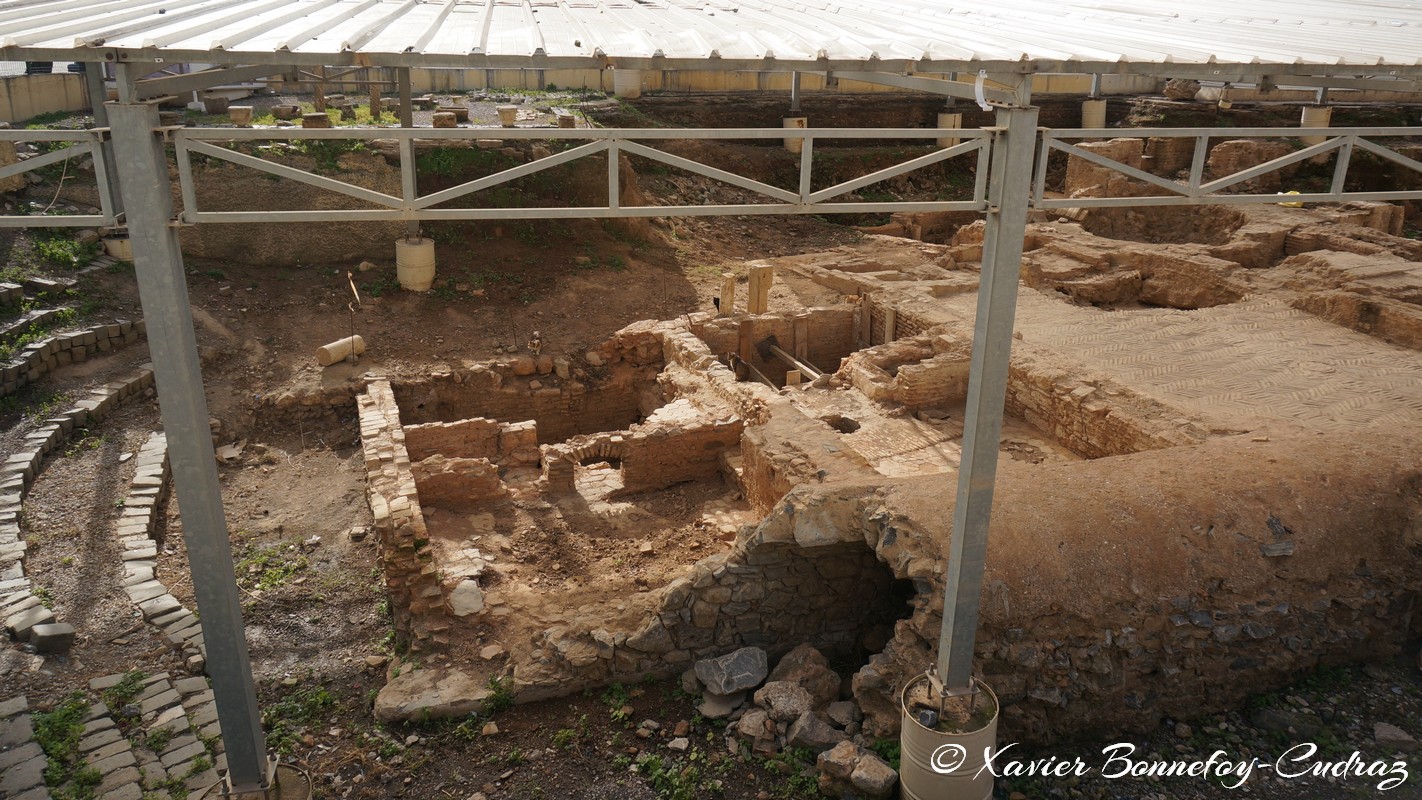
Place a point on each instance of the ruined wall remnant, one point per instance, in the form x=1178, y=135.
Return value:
x=417, y=600
x=457, y=482
x=825, y=335
x=680, y=442
x=1223, y=583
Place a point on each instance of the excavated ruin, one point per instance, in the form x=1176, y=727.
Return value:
x=1208, y=481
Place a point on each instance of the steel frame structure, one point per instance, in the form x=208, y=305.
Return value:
x=1010, y=163
x=980, y=145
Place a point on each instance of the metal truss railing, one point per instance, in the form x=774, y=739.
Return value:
x=976, y=144
x=1195, y=190
x=410, y=205
x=84, y=142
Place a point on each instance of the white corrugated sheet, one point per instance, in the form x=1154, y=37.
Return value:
x=1365, y=33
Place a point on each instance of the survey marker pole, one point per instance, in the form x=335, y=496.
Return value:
x=1009, y=188
x=172, y=342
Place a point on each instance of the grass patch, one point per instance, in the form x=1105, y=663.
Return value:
x=264, y=567
x=286, y=719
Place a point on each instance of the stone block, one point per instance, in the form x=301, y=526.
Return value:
x=54, y=637
x=21, y=624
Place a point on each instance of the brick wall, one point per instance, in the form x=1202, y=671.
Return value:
x=417, y=600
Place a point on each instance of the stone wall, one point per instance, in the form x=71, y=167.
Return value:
x=1387, y=319
x=417, y=600
x=771, y=594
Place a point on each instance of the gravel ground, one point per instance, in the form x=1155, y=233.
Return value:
x=1336, y=710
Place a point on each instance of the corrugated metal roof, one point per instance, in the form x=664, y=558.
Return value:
x=1291, y=33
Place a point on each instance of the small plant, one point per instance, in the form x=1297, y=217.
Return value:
x=123, y=692
x=889, y=750
x=45, y=597
x=158, y=740
x=500, y=696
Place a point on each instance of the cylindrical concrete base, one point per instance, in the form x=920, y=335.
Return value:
x=1315, y=117
x=118, y=247
x=794, y=143
x=415, y=264
x=1093, y=114
x=627, y=82
x=948, y=121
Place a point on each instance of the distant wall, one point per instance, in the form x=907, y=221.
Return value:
x=25, y=96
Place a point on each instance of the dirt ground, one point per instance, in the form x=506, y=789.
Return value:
x=318, y=624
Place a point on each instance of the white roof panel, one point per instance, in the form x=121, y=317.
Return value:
x=934, y=33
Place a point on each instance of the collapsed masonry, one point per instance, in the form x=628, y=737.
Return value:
x=1160, y=546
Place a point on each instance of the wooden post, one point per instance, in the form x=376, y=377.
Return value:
x=374, y=96
x=728, y=294
x=802, y=337
x=792, y=377
x=318, y=99
x=758, y=300
x=891, y=323
x=746, y=345
x=866, y=323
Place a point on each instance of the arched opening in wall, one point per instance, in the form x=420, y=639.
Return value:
x=841, y=423
x=599, y=462
x=840, y=598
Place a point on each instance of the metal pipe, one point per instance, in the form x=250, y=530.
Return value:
x=1009, y=187
x=407, y=152
x=172, y=341
x=795, y=93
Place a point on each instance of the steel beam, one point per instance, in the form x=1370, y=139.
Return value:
x=1008, y=199
x=173, y=345
x=938, y=86
x=206, y=79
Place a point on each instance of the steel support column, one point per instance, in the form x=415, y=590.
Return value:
x=1009, y=192
x=407, y=147
x=173, y=345
x=98, y=96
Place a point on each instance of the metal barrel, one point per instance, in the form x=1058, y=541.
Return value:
x=944, y=766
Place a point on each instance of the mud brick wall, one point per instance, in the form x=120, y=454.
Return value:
x=927, y=373
x=906, y=324
x=665, y=456
x=407, y=560
x=54, y=352
x=668, y=449
x=939, y=381
x=831, y=336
